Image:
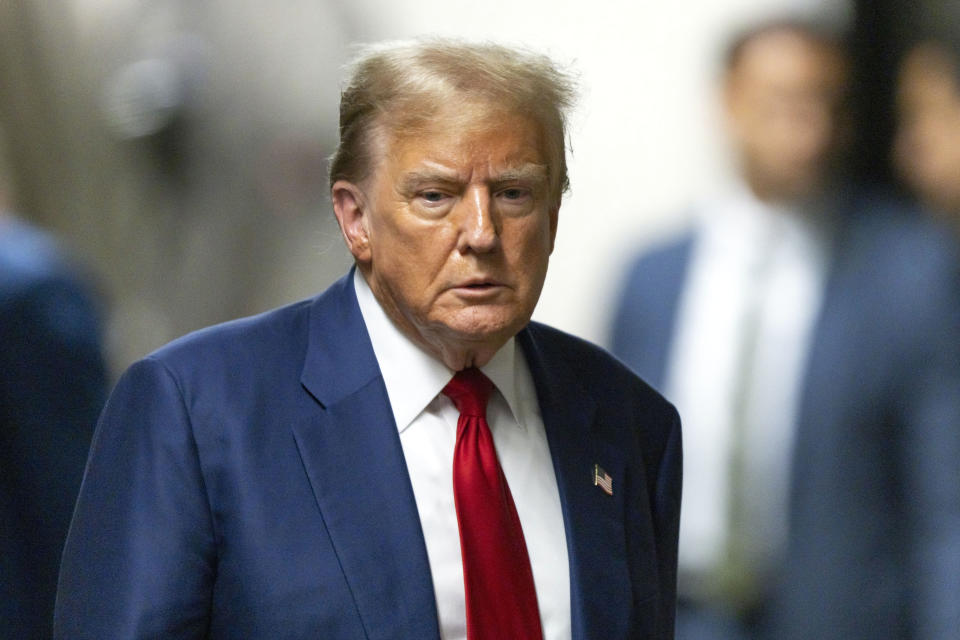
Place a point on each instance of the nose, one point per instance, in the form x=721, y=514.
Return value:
x=479, y=230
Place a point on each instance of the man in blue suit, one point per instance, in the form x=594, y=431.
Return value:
x=812, y=342
x=289, y=475
x=52, y=387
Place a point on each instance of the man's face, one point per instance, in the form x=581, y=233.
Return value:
x=457, y=229
x=782, y=100
x=927, y=147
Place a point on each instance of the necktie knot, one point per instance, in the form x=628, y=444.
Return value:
x=470, y=390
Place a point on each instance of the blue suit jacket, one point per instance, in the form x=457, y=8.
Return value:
x=248, y=481
x=52, y=386
x=874, y=549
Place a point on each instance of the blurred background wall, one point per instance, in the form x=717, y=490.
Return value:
x=180, y=147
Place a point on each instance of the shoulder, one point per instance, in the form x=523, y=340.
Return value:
x=278, y=339
x=877, y=223
x=662, y=259
x=884, y=223
x=652, y=281
x=27, y=253
x=646, y=301
x=914, y=258
x=601, y=374
x=244, y=346
x=629, y=413
x=31, y=258
x=42, y=294
x=254, y=355
x=894, y=288
x=224, y=383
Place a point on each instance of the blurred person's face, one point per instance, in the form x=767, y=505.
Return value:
x=454, y=229
x=782, y=100
x=927, y=146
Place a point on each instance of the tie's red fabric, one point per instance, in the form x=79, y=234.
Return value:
x=501, y=599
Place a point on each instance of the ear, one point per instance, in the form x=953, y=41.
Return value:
x=350, y=207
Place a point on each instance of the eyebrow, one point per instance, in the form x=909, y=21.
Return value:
x=528, y=172
x=413, y=179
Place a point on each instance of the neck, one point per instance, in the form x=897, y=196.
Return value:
x=459, y=357
x=452, y=348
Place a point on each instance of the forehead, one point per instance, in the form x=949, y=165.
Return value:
x=461, y=135
x=783, y=56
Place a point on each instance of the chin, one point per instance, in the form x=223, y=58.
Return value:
x=485, y=327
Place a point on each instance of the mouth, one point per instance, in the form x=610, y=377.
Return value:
x=477, y=286
x=479, y=282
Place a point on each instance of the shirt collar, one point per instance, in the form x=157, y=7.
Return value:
x=413, y=377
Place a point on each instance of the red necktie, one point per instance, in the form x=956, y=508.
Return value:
x=501, y=599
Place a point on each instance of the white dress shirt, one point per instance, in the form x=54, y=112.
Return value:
x=427, y=421
x=745, y=250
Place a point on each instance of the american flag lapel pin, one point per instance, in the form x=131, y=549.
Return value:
x=602, y=479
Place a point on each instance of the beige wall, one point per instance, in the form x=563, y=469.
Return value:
x=225, y=213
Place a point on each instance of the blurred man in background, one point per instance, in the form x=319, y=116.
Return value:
x=927, y=150
x=52, y=386
x=809, y=337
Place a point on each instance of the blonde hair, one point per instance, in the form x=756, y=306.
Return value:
x=397, y=86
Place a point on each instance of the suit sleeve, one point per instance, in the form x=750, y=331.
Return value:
x=931, y=461
x=140, y=556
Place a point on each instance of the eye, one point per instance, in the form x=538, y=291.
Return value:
x=514, y=193
x=432, y=203
x=433, y=197
x=515, y=199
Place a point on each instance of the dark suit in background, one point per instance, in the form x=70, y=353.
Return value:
x=52, y=386
x=874, y=509
x=812, y=333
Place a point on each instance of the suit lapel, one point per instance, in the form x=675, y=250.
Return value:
x=665, y=280
x=600, y=589
x=835, y=357
x=352, y=455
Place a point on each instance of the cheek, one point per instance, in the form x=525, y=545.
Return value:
x=396, y=235
x=528, y=246
x=413, y=250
